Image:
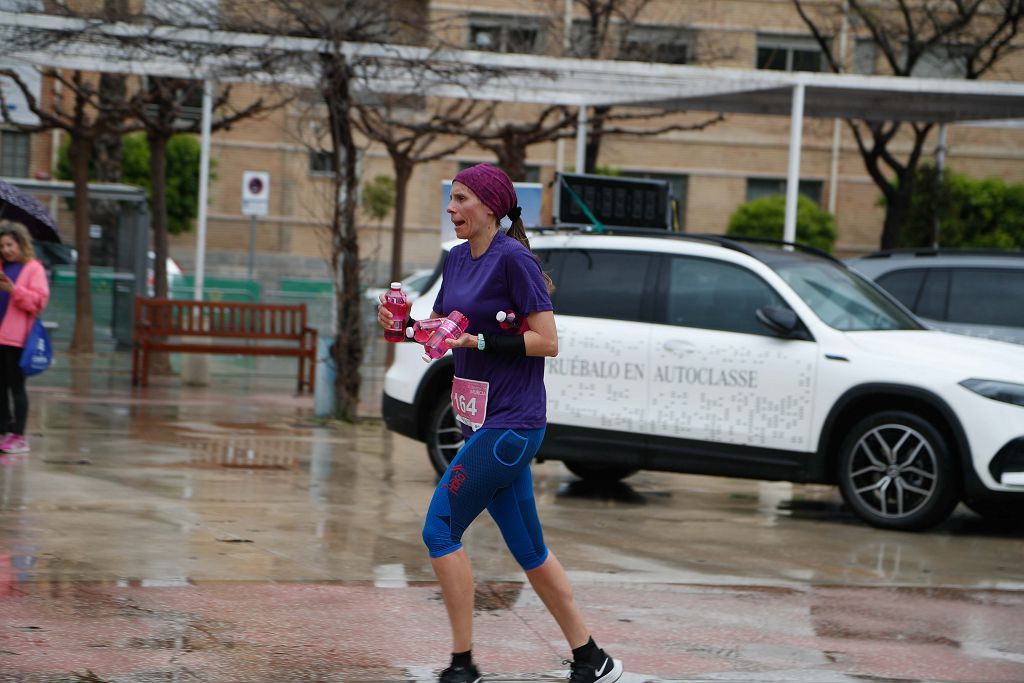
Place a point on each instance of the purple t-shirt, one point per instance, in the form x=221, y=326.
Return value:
x=506, y=276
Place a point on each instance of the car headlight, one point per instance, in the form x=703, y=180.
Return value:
x=1007, y=392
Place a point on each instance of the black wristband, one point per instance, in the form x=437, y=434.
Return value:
x=514, y=345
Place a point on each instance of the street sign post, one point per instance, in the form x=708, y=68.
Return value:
x=255, y=202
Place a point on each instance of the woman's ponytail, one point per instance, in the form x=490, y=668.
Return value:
x=518, y=231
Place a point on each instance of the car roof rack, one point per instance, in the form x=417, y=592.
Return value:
x=734, y=242
x=612, y=230
x=943, y=251
x=800, y=246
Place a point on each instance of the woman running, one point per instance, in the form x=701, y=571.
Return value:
x=499, y=398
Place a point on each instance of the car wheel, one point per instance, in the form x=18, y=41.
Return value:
x=896, y=472
x=444, y=436
x=599, y=472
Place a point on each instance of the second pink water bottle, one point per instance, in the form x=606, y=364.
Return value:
x=422, y=329
x=451, y=327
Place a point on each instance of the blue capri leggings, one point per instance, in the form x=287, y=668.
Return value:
x=492, y=470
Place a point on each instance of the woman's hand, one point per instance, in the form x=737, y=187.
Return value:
x=466, y=341
x=6, y=284
x=384, y=316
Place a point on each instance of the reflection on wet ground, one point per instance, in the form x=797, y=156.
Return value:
x=223, y=534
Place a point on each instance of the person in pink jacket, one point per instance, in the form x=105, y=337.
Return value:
x=24, y=292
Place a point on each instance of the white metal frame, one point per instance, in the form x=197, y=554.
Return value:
x=554, y=80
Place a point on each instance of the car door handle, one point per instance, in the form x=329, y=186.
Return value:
x=679, y=346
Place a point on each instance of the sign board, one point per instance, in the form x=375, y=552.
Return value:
x=529, y=195
x=255, y=193
x=14, y=98
x=612, y=201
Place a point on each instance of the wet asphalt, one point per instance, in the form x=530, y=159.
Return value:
x=225, y=534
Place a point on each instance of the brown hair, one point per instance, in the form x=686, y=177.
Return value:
x=518, y=231
x=20, y=235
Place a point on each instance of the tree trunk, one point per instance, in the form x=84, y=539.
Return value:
x=348, y=346
x=897, y=208
x=158, y=182
x=403, y=172
x=594, y=138
x=82, y=337
x=512, y=158
x=160, y=362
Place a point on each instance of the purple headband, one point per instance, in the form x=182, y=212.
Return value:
x=492, y=186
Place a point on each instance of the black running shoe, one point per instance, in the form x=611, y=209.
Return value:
x=461, y=674
x=601, y=669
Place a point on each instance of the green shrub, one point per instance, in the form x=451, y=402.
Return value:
x=971, y=212
x=765, y=217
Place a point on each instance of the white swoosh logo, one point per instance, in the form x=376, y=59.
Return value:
x=604, y=665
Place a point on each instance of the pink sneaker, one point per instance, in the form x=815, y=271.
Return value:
x=14, y=443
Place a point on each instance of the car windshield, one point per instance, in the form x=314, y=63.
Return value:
x=844, y=300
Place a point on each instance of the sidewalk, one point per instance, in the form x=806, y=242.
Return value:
x=222, y=535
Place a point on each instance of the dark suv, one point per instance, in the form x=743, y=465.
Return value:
x=974, y=292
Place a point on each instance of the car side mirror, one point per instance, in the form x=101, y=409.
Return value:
x=781, y=321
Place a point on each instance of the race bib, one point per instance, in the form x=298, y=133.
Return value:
x=469, y=401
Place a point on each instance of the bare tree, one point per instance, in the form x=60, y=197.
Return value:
x=623, y=30
x=90, y=114
x=966, y=38
x=338, y=73
x=408, y=132
x=160, y=112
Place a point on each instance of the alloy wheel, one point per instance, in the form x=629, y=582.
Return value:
x=893, y=470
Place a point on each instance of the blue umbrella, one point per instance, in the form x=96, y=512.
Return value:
x=16, y=205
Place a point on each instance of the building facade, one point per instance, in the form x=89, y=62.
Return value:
x=712, y=170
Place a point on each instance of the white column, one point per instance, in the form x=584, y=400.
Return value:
x=833, y=168
x=940, y=172
x=796, y=129
x=566, y=44
x=204, y=187
x=195, y=367
x=581, y=139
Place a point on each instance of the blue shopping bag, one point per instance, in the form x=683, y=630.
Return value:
x=38, y=352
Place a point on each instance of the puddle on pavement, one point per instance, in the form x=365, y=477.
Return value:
x=491, y=597
x=246, y=453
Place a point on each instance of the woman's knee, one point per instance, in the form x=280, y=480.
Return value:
x=438, y=537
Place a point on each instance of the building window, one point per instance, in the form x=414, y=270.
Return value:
x=864, y=57
x=664, y=44
x=14, y=154
x=942, y=61
x=765, y=187
x=788, y=53
x=321, y=163
x=496, y=33
x=188, y=98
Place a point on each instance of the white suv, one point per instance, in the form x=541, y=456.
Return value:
x=709, y=355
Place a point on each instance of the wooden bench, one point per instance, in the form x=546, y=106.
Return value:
x=229, y=327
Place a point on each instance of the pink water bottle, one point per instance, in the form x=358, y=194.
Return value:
x=422, y=329
x=451, y=327
x=396, y=302
x=507, y=320
x=510, y=320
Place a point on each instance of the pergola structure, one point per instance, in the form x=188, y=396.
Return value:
x=546, y=80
